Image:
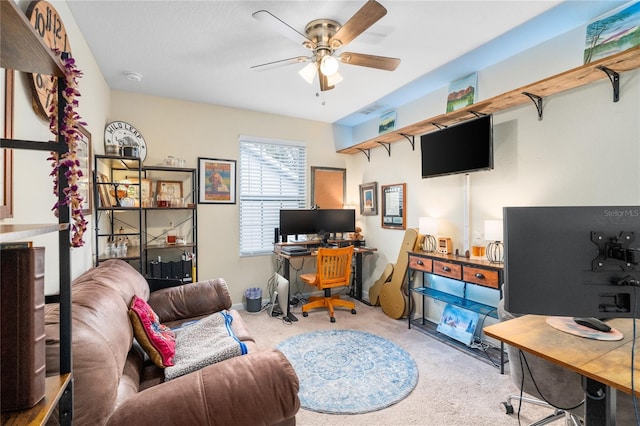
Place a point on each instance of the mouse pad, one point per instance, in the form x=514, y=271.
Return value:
x=568, y=325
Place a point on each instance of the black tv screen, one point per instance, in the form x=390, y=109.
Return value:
x=336, y=220
x=461, y=148
x=297, y=222
x=572, y=261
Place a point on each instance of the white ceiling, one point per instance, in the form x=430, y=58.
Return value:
x=202, y=51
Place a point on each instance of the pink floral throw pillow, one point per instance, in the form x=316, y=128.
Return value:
x=158, y=340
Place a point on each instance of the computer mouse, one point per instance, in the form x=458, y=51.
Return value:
x=593, y=323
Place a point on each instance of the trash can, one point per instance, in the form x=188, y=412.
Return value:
x=253, y=298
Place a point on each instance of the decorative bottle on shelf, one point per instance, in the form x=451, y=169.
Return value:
x=172, y=234
x=164, y=199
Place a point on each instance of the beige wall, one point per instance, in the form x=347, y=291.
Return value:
x=190, y=130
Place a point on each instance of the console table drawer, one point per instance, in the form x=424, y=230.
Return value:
x=481, y=276
x=447, y=269
x=420, y=263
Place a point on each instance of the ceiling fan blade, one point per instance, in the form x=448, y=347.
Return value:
x=368, y=15
x=371, y=61
x=280, y=63
x=324, y=83
x=282, y=27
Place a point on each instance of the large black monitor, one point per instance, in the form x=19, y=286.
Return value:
x=462, y=148
x=572, y=261
x=336, y=220
x=297, y=222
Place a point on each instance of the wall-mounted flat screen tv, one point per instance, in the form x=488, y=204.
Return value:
x=461, y=148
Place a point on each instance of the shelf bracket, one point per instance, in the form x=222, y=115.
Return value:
x=366, y=152
x=478, y=114
x=386, y=146
x=614, y=77
x=537, y=101
x=411, y=139
x=439, y=126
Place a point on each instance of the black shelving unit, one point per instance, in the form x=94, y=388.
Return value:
x=117, y=221
x=167, y=264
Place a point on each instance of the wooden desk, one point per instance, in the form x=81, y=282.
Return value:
x=359, y=252
x=605, y=365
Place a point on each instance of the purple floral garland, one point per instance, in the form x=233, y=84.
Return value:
x=71, y=134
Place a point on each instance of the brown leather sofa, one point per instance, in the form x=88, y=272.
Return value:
x=116, y=384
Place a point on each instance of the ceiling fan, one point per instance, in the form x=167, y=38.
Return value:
x=324, y=37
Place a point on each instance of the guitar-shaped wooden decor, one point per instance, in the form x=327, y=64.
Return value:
x=393, y=300
x=374, y=291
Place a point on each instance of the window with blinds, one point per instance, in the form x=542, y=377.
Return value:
x=272, y=176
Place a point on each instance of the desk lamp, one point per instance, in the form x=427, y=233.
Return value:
x=493, y=232
x=428, y=226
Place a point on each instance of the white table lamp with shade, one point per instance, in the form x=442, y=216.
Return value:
x=493, y=233
x=428, y=226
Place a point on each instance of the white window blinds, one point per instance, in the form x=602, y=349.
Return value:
x=272, y=177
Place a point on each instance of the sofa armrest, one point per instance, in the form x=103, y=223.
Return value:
x=190, y=300
x=260, y=388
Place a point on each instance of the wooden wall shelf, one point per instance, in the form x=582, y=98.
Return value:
x=576, y=77
x=22, y=49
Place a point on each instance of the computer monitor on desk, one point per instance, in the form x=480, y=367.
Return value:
x=572, y=261
x=316, y=221
x=335, y=221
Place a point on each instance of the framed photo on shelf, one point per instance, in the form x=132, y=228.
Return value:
x=107, y=197
x=146, y=192
x=369, y=199
x=394, y=206
x=172, y=187
x=216, y=181
x=83, y=153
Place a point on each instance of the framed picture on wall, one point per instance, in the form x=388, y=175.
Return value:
x=394, y=206
x=216, y=181
x=369, y=199
x=328, y=187
x=83, y=153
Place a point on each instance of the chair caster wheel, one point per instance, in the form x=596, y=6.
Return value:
x=353, y=311
x=305, y=314
x=332, y=319
x=508, y=408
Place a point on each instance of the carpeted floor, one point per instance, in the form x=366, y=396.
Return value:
x=335, y=365
x=453, y=388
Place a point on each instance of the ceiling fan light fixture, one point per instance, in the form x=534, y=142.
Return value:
x=334, y=79
x=309, y=72
x=328, y=65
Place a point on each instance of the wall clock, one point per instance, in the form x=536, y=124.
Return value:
x=48, y=25
x=120, y=136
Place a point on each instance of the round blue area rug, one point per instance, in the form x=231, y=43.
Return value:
x=349, y=371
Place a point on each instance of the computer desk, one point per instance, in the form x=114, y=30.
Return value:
x=359, y=252
x=605, y=365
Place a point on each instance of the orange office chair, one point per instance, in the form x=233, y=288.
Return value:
x=333, y=270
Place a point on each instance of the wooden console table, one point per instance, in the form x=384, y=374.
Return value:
x=468, y=271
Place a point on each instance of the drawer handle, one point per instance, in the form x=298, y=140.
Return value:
x=446, y=269
x=479, y=275
x=420, y=262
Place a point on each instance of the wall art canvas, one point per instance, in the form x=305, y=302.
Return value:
x=462, y=92
x=387, y=121
x=615, y=32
